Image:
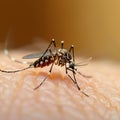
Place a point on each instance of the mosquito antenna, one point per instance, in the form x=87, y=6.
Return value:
x=84, y=62
x=14, y=71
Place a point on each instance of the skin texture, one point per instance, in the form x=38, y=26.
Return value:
x=58, y=98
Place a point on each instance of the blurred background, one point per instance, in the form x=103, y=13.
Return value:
x=93, y=26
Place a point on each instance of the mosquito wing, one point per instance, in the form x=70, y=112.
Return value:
x=31, y=56
x=35, y=55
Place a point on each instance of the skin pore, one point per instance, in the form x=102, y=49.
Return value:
x=58, y=98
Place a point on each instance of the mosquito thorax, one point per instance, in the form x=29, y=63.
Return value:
x=64, y=54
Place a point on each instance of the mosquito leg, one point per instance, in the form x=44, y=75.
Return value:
x=41, y=82
x=6, y=52
x=45, y=77
x=78, y=86
x=51, y=68
x=14, y=71
x=52, y=42
x=86, y=76
x=62, y=44
x=50, y=51
x=75, y=81
x=72, y=49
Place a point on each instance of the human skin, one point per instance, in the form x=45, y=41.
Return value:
x=58, y=98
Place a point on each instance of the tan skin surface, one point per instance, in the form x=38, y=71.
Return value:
x=58, y=98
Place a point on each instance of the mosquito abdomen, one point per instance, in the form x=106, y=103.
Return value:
x=44, y=61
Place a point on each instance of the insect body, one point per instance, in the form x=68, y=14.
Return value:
x=61, y=57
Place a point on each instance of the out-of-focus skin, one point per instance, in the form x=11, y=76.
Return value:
x=58, y=98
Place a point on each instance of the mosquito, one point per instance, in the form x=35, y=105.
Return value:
x=61, y=57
